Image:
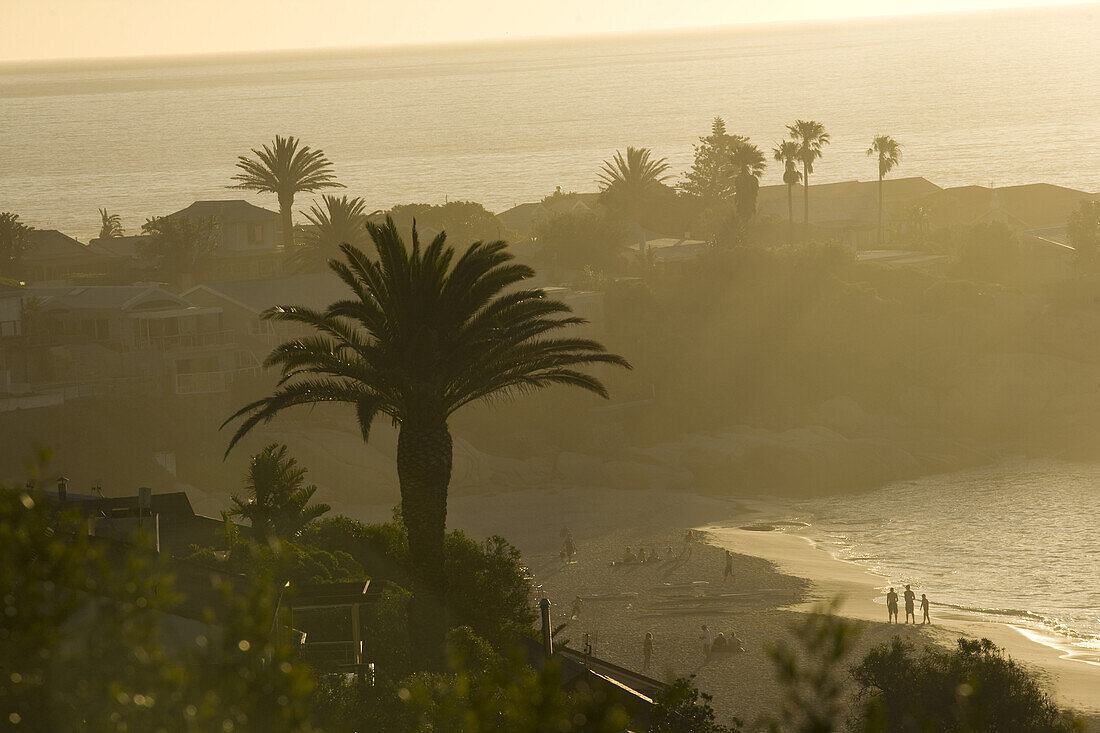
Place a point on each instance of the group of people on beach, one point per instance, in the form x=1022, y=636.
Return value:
x=910, y=600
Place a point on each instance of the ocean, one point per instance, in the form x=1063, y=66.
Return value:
x=995, y=98
x=1017, y=542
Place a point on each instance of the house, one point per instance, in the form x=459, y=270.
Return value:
x=247, y=239
x=100, y=339
x=525, y=218
x=56, y=258
x=666, y=252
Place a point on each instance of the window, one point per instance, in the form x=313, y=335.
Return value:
x=255, y=233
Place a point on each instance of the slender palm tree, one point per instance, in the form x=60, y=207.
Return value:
x=277, y=502
x=811, y=138
x=749, y=162
x=110, y=225
x=888, y=151
x=15, y=239
x=629, y=183
x=786, y=152
x=285, y=170
x=338, y=221
x=425, y=331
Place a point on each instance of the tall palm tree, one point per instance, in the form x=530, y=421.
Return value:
x=285, y=170
x=426, y=331
x=888, y=151
x=110, y=226
x=786, y=152
x=749, y=162
x=277, y=503
x=811, y=138
x=338, y=221
x=629, y=183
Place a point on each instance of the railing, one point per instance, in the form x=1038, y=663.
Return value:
x=186, y=340
x=212, y=382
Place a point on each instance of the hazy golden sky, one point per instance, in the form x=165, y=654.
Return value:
x=44, y=29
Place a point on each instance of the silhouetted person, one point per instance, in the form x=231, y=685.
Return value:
x=924, y=608
x=647, y=649
x=629, y=556
x=708, y=641
x=576, y=607
x=910, y=596
x=688, y=540
x=568, y=547
x=892, y=606
x=728, y=574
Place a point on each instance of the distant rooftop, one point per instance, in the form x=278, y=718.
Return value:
x=226, y=211
x=123, y=297
x=313, y=290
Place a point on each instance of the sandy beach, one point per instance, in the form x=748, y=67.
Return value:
x=778, y=577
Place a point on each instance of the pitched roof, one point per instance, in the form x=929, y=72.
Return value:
x=120, y=247
x=313, y=290
x=226, y=211
x=122, y=297
x=50, y=244
x=1029, y=206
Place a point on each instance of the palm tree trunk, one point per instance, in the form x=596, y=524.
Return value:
x=806, y=193
x=424, y=451
x=286, y=220
x=880, y=206
x=790, y=212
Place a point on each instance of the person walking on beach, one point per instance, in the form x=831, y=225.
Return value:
x=892, y=606
x=688, y=540
x=910, y=596
x=924, y=608
x=647, y=649
x=576, y=612
x=568, y=546
x=728, y=574
x=708, y=642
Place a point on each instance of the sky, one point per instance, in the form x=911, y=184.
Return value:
x=57, y=29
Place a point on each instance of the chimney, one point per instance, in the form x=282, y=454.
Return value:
x=62, y=488
x=547, y=636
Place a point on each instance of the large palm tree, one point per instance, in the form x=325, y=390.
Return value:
x=811, y=138
x=748, y=162
x=786, y=152
x=888, y=151
x=110, y=225
x=425, y=331
x=285, y=170
x=277, y=501
x=629, y=183
x=338, y=221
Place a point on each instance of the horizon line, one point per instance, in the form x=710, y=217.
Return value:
x=461, y=43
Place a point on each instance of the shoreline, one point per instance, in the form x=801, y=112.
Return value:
x=1074, y=681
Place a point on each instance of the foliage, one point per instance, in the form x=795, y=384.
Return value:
x=179, y=245
x=285, y=169
x=338, y=221
x=888, y=152
x=277, y=503
x=811, y=673
x=630, y=184
x=486, y=692
x=712, y=178
x=748, y=163
x=465, y=222
x=426, y=332
x=811, y=138
x=15, y=240
x=969, y=689
x=1083, y=230
x=987, y=251
x=681, y=708
x=110, y=225
x=578, y=240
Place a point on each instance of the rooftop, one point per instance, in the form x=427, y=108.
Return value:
x=312, y=290
x=226, y=211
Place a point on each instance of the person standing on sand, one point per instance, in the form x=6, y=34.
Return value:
x=708, y=641
x=910, y=596
x=647, y=649
x=576, y=613
x=892, y=606
x=728, y=574
x=688, y=540
x=924, y=608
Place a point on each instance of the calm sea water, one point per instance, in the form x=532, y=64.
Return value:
x=975, y=99
x=1017, y=542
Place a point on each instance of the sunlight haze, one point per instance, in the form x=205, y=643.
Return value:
x=57, y=29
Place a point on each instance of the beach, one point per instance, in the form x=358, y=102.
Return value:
x=778, y=577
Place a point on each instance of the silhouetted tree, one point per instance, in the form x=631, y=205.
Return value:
x=629, y=184
x=748, y=163
x=276, y=502
x=577, y=240
x=110, y=225
x=811, y=138
x=712, y=178
x=15, y=239
x=681, y=708
x=285, y=170
x=888, y=151
x=427, y=331
x=786, y=152
x=464, y=221
x=179, y=245
x=338, y=221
